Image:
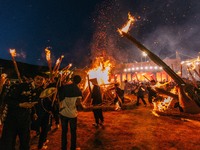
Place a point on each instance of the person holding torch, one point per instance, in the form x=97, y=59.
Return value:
x=20, y=99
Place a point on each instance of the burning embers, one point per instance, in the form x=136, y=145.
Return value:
x=101, y=71
x=126, y=27
x=161, y=103
x=13, y=55
x=166, y=92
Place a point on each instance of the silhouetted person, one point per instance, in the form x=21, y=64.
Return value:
x=20, y=100
x=96, y=97
x=140, y=94
x=151, y=91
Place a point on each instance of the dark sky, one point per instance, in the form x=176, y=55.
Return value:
x=82, y=29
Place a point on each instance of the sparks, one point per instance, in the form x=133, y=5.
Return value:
x=126, y=27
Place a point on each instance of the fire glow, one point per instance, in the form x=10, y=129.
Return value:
x=162, y=105
x=48, y=54
x=131, y=20
x=13, y=52
x=159, y=105
x=101, y=72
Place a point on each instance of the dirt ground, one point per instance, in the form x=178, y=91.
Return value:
x=135, y=128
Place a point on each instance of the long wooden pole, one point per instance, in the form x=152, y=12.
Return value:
x=166, y=68
x=12, y=52
x=155, y=59
x=146, y=78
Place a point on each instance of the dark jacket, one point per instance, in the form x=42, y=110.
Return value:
x=20, y=93
x=96, y=95
x=69, y=90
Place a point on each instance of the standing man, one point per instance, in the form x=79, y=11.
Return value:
x=96, y=97
x=70, y=95
x=44, y=111
x=140, y=94
x=20, y=100
x=151, y=91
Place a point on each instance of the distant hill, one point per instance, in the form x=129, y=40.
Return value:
x=28, y=70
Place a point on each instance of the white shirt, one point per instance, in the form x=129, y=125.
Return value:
x=68, y=107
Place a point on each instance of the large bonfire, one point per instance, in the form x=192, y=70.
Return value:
x=101, y=70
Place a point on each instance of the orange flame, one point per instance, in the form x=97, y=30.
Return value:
x=48, y=54
x=13, y=52
x=59, y=59
x=101, y=72
x=162, y=106
x=66, y=68
x=58, y=62
x=126, y=27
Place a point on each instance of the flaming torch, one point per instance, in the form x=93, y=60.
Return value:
x=65, y=72
x=57, y=65
x=13, y=55
x=124, y=33
x=191, y=102
x=67, y=67
x=48, y=58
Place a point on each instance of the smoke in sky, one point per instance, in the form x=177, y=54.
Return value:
x=165, y=27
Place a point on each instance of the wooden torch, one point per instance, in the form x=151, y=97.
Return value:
x=13, y=55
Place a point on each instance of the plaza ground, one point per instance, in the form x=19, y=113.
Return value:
x=134, y=128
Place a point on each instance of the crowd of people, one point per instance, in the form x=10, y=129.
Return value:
x=38, y=103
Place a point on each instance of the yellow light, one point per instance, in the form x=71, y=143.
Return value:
x=144, y=54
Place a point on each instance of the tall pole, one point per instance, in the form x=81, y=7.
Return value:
x=13, y=54
x=155, y=59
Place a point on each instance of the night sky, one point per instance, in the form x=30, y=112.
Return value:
x=81, y=30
